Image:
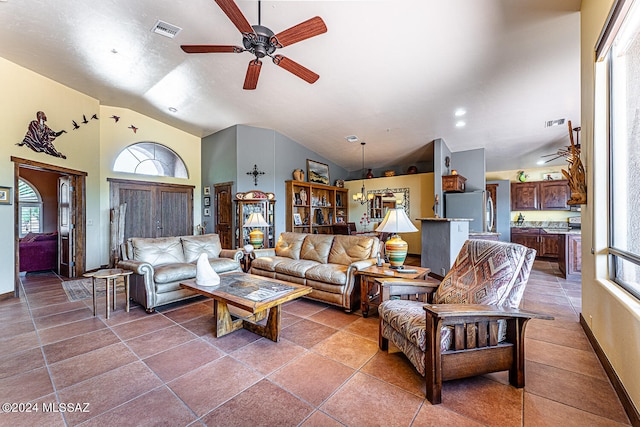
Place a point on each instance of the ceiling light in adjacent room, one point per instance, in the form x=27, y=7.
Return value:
x=460, y=112
x=461, y=124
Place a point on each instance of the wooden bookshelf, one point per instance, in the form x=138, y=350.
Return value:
x=314, y=208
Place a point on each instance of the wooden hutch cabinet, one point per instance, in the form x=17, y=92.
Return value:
x=248, y=203
x=540, y=195
x=314, y=208
x=453, y=183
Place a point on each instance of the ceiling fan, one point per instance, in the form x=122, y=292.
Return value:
x=568, y=151
x=261, y=42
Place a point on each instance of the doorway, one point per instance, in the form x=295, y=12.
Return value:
x=71, y=226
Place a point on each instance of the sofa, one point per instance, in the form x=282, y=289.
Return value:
x=328, y=263
x=38, y=251
x=160, y=264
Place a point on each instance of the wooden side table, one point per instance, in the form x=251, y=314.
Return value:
x=109, y=274
x=370, y=293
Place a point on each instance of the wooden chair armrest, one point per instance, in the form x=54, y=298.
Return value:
x=449, y=312
x=399, y=287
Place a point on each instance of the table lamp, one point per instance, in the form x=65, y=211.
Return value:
x=394, y=222
x=256, y=237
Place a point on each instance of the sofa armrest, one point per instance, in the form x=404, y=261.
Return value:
x=361, y=265
x=257, y=253
x=145, y=270
x=234, y=254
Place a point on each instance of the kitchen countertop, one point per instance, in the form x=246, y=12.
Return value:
x=444, y=219
x=484, y=233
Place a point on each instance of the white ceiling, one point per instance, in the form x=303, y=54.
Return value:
x=392, y=72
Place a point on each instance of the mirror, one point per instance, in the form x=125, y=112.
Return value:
x=382, y=200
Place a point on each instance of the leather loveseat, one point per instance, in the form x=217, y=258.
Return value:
x=327, y=263
x=160, y=264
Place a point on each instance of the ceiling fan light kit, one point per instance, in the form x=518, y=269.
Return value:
x=261, y=41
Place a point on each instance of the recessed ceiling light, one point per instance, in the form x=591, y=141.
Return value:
x=351, y=138
x=461, y=124
x=460, y=112
x=173, y=109
x=540, y=162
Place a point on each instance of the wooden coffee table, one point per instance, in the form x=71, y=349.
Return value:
x=370, y=293
x=252, y=294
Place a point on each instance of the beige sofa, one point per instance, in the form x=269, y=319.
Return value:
x=159, y=265
x=325, y=262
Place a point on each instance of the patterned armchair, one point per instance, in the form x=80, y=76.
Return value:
x=471, y=325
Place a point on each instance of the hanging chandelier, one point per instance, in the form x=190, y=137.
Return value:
x=362, y=197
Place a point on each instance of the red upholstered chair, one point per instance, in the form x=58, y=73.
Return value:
x=471, y=325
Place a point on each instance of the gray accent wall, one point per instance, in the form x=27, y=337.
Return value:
x=228, y=155
x=440, y=152
x=471, y=165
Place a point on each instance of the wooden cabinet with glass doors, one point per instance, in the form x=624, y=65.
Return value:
x=314, y=208
x=251, y=202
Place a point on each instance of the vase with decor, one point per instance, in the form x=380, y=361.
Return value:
x=298, y=175
x=369, y=174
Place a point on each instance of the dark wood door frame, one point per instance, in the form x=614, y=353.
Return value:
x=78, y=179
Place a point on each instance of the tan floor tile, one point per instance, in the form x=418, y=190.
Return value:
x=390, y=405
x=17, y=363
x=320, y=419
x=303, y=307
x=17, y=329
x=266, y=356
x=306, y=333
x=351, y=350
x=26, y=386
x=20, y=342
x=190, y=312
x=184, y=358
x=546, y=331
x=62, y=318
x=312, y=377
x=213, y=384
x=334, y=317
x=161, y=340
x=38, y=418
x=142, y=326
x=541, y=412
x=441, y=416
x=396, y=369
x=79, y=345
x=368, y=328
x=580, y=361
x=70, y=330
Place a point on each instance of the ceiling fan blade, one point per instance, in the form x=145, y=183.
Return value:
x=253, y=72
x=208, y=48
x=551, y=160
x=230, y=8
x=295, y=68
x=304, y=30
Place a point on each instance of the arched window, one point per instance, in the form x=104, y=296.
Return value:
x=150, y=158
x=30, y=207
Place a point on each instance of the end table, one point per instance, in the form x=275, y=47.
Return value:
x=110, y=274
x=370, y=293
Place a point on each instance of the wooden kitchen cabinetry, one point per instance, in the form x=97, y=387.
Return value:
x=314, y=208
x=570, y=256
x=540, y=195
x=545, y=244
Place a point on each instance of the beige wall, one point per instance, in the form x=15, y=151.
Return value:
x=612, y=314
x=421, y=192
x=91, y=149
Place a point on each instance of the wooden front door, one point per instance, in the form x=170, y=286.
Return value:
x=224, y=214
x=66, y=227
x=154, y=209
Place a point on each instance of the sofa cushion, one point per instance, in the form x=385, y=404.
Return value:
x=348, y=249
x=173, y=272
x=295, y=267
x=268, y=263
x=193, y=246
x=289, y=245
x=328, y=273
x=316, y=247
x=223, y=265
x=164, y=250
x=483, y=273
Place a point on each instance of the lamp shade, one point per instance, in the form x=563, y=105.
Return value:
x=256, y=220
x=396, y=221
x=256, y=237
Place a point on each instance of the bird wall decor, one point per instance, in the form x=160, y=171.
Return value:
x=116, y=118
x=135, y=129
x=75, y=125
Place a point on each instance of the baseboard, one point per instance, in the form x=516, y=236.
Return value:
x=630, y=409
x=7, y=296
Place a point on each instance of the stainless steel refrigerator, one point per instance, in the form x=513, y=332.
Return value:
x=473, y=205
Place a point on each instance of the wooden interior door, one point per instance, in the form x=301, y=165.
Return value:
x=154, y=209
x=66, y=226
x=224, y=214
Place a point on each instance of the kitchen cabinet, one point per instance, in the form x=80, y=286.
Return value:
x=545, y=244
x=314, y=208
x=540, y=195
x=570, y=256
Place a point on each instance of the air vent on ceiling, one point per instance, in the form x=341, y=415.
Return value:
x=551, y=123
x=166, y=29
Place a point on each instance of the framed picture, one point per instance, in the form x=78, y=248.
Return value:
x=207, y=201
x=318, y=172
x=207, y=212
x=5, y=195
x=207, y=191
x=297, y=219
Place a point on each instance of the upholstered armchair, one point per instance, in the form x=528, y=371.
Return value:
x=471, y=325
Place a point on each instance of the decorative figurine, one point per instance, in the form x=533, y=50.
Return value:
x=40, y=137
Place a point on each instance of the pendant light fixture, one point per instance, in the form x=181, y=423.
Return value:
x=362, y=197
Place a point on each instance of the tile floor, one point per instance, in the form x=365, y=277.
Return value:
x=167, y=369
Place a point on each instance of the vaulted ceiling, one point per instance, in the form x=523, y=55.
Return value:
x=392, y=72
